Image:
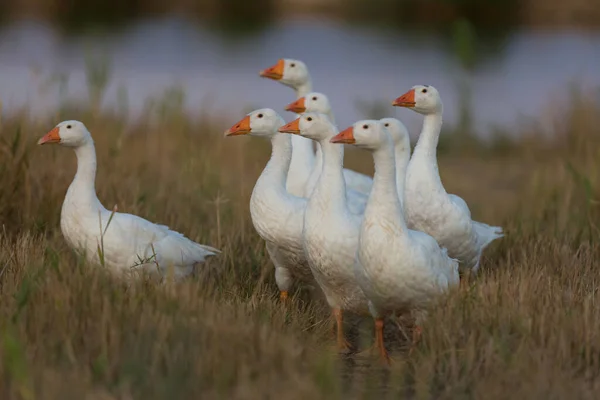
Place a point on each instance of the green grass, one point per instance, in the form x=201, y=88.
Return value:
x=529, y=322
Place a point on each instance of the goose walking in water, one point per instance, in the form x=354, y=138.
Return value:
x=120, y=241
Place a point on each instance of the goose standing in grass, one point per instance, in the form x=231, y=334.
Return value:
x=127, y=241
x=294, y=74
x=277, y=215
x=428, y=207
x=398, y=269
x=331, y=230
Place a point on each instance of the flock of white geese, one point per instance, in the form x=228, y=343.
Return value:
x=382, y=245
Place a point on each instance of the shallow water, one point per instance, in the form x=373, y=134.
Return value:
x=520, y=78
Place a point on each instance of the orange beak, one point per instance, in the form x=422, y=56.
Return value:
x=346, y=137
x=298, y=106
x=275, y=72
x=292, y=127
x=406, y=100
x=50, y=137
x=241, y=128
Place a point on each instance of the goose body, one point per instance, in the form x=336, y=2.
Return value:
x=428, y=207
x=331, y=230
x=398, y=269
x=127, y=242
x=277, y=215
x=294, y=74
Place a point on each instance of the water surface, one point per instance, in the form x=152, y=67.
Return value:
x=517, y=79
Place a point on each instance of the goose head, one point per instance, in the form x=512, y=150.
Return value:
x=368, y=134
x=262, y=122
x=313, y=102
x=424, y=99
x=315, y=126
x=398, y=132
x=290, y=72
x=67, y=133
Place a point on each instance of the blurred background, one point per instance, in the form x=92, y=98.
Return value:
x=497, y=63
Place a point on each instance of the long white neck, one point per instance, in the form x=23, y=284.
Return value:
x=423, y=171
x=384, y=203
x=83, y=190
x=330, y=190
x=329, y=114
x=303, y=158
x=316, y=171
x=428, y=140
x=402, y=157
x=271, y=205
x=304, y=88
x=275, y=173
x=303, y=155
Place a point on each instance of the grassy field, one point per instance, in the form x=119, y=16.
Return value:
x=527, y=327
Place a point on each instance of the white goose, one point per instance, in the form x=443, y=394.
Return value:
x=128, y=242
x=398, y=269
x=428, y=207
x=294, y=74
x=330, y=229
x=319, y=103
x=277, y=215
x=312, y=102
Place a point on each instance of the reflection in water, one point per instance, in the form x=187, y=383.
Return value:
x=348, y=63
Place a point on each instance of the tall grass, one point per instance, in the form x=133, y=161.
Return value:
x=527, y=327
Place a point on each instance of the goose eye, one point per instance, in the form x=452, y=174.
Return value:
x=309, y=119
x=314, y=98
x=292, y=65
x=424, y=91
x=365, y=126
x=387, y=124
x=259, y=115
x=68, y=126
